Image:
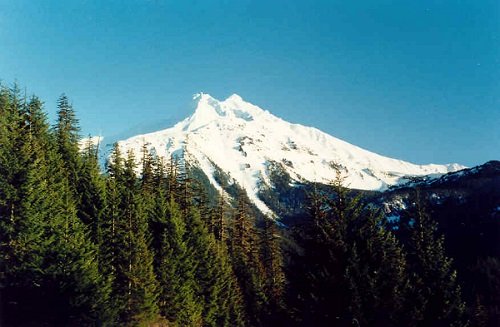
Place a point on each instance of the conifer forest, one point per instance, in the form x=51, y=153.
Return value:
x=144, y=242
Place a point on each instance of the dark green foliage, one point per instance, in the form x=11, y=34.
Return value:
x=486, y=286
x=67, y=138
x=91, y=189
x=353, y=268
x=127, y=245
x=274, y=280
x=178, y=301
x=151, y=242
x=436, y=298
x=244, y=245
x=196, y=280
x=49, y=253
x=12, y=172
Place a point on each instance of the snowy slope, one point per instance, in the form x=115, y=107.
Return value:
x=243, y=139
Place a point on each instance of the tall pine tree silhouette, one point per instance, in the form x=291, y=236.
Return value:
x=435, y=292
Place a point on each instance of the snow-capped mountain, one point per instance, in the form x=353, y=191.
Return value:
x=244, y=140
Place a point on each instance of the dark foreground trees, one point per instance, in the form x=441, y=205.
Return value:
x=142, y=244
x=134, y=246
x=352, y=270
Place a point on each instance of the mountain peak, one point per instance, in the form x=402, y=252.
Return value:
x=200, y=96
x=235, y=98
x=232, y=111
x=234, y=101
x=207, y=109
x=205, y=97
x=248, y=143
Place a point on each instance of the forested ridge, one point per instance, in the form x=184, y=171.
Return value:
x=142, y=244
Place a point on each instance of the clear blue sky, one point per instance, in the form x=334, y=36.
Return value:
x=415, y=80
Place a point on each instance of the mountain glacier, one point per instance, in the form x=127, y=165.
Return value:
x=244, y=140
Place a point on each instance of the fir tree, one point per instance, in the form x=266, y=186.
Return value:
x=148, y=172
x=435, y=291
x=247, y=265
x=177, y=299
x=91, y=190
x=12, y=174
x=376, y=273
x=55, y=267
x=67, y=135
x=135, y=276
x=354, y=267
x=273, y=262
x=219, y=220
x=216, y=286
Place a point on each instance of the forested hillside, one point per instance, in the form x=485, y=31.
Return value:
x=84, y=247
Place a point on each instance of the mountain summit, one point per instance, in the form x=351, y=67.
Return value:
x=246, y=142
x=233, y=110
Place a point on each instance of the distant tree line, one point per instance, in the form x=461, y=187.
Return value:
x=142, y=244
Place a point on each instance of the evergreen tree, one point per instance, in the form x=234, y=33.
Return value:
x=126, y=245
x=354, y=268
x=12, y=174
x=67, y=135
x=135, y=276
x=486, y=288
x=81, y=248
x=177, y=299
x=54, y=268
x=219, y=220
x=435, y=293
x=247, y=264
x=216, y=285
x=91, y=190
x=148, y=172
x=376, y=273
x=272, y=258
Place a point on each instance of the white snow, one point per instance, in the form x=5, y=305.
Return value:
x=241, y=139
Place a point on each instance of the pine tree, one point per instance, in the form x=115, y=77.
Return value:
x=91, y=190
x=486, y=288
x=376, y=273
x=135, y=275
x=148, y=172
x=435, y=290
x=320, y=283
x=216, y=286
x=247, y=265
x=219, y=220
x=272, y=258
x=54, y=277
x=197, y=284
x=177, y=299
x=110, y=230
x=12, y=174
x=354, y=267
x=67, y=136
x=205, y=274
x=230, y=300
x=126, y=244
x=307, y=268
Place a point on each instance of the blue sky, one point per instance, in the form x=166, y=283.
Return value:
x=415, y=80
